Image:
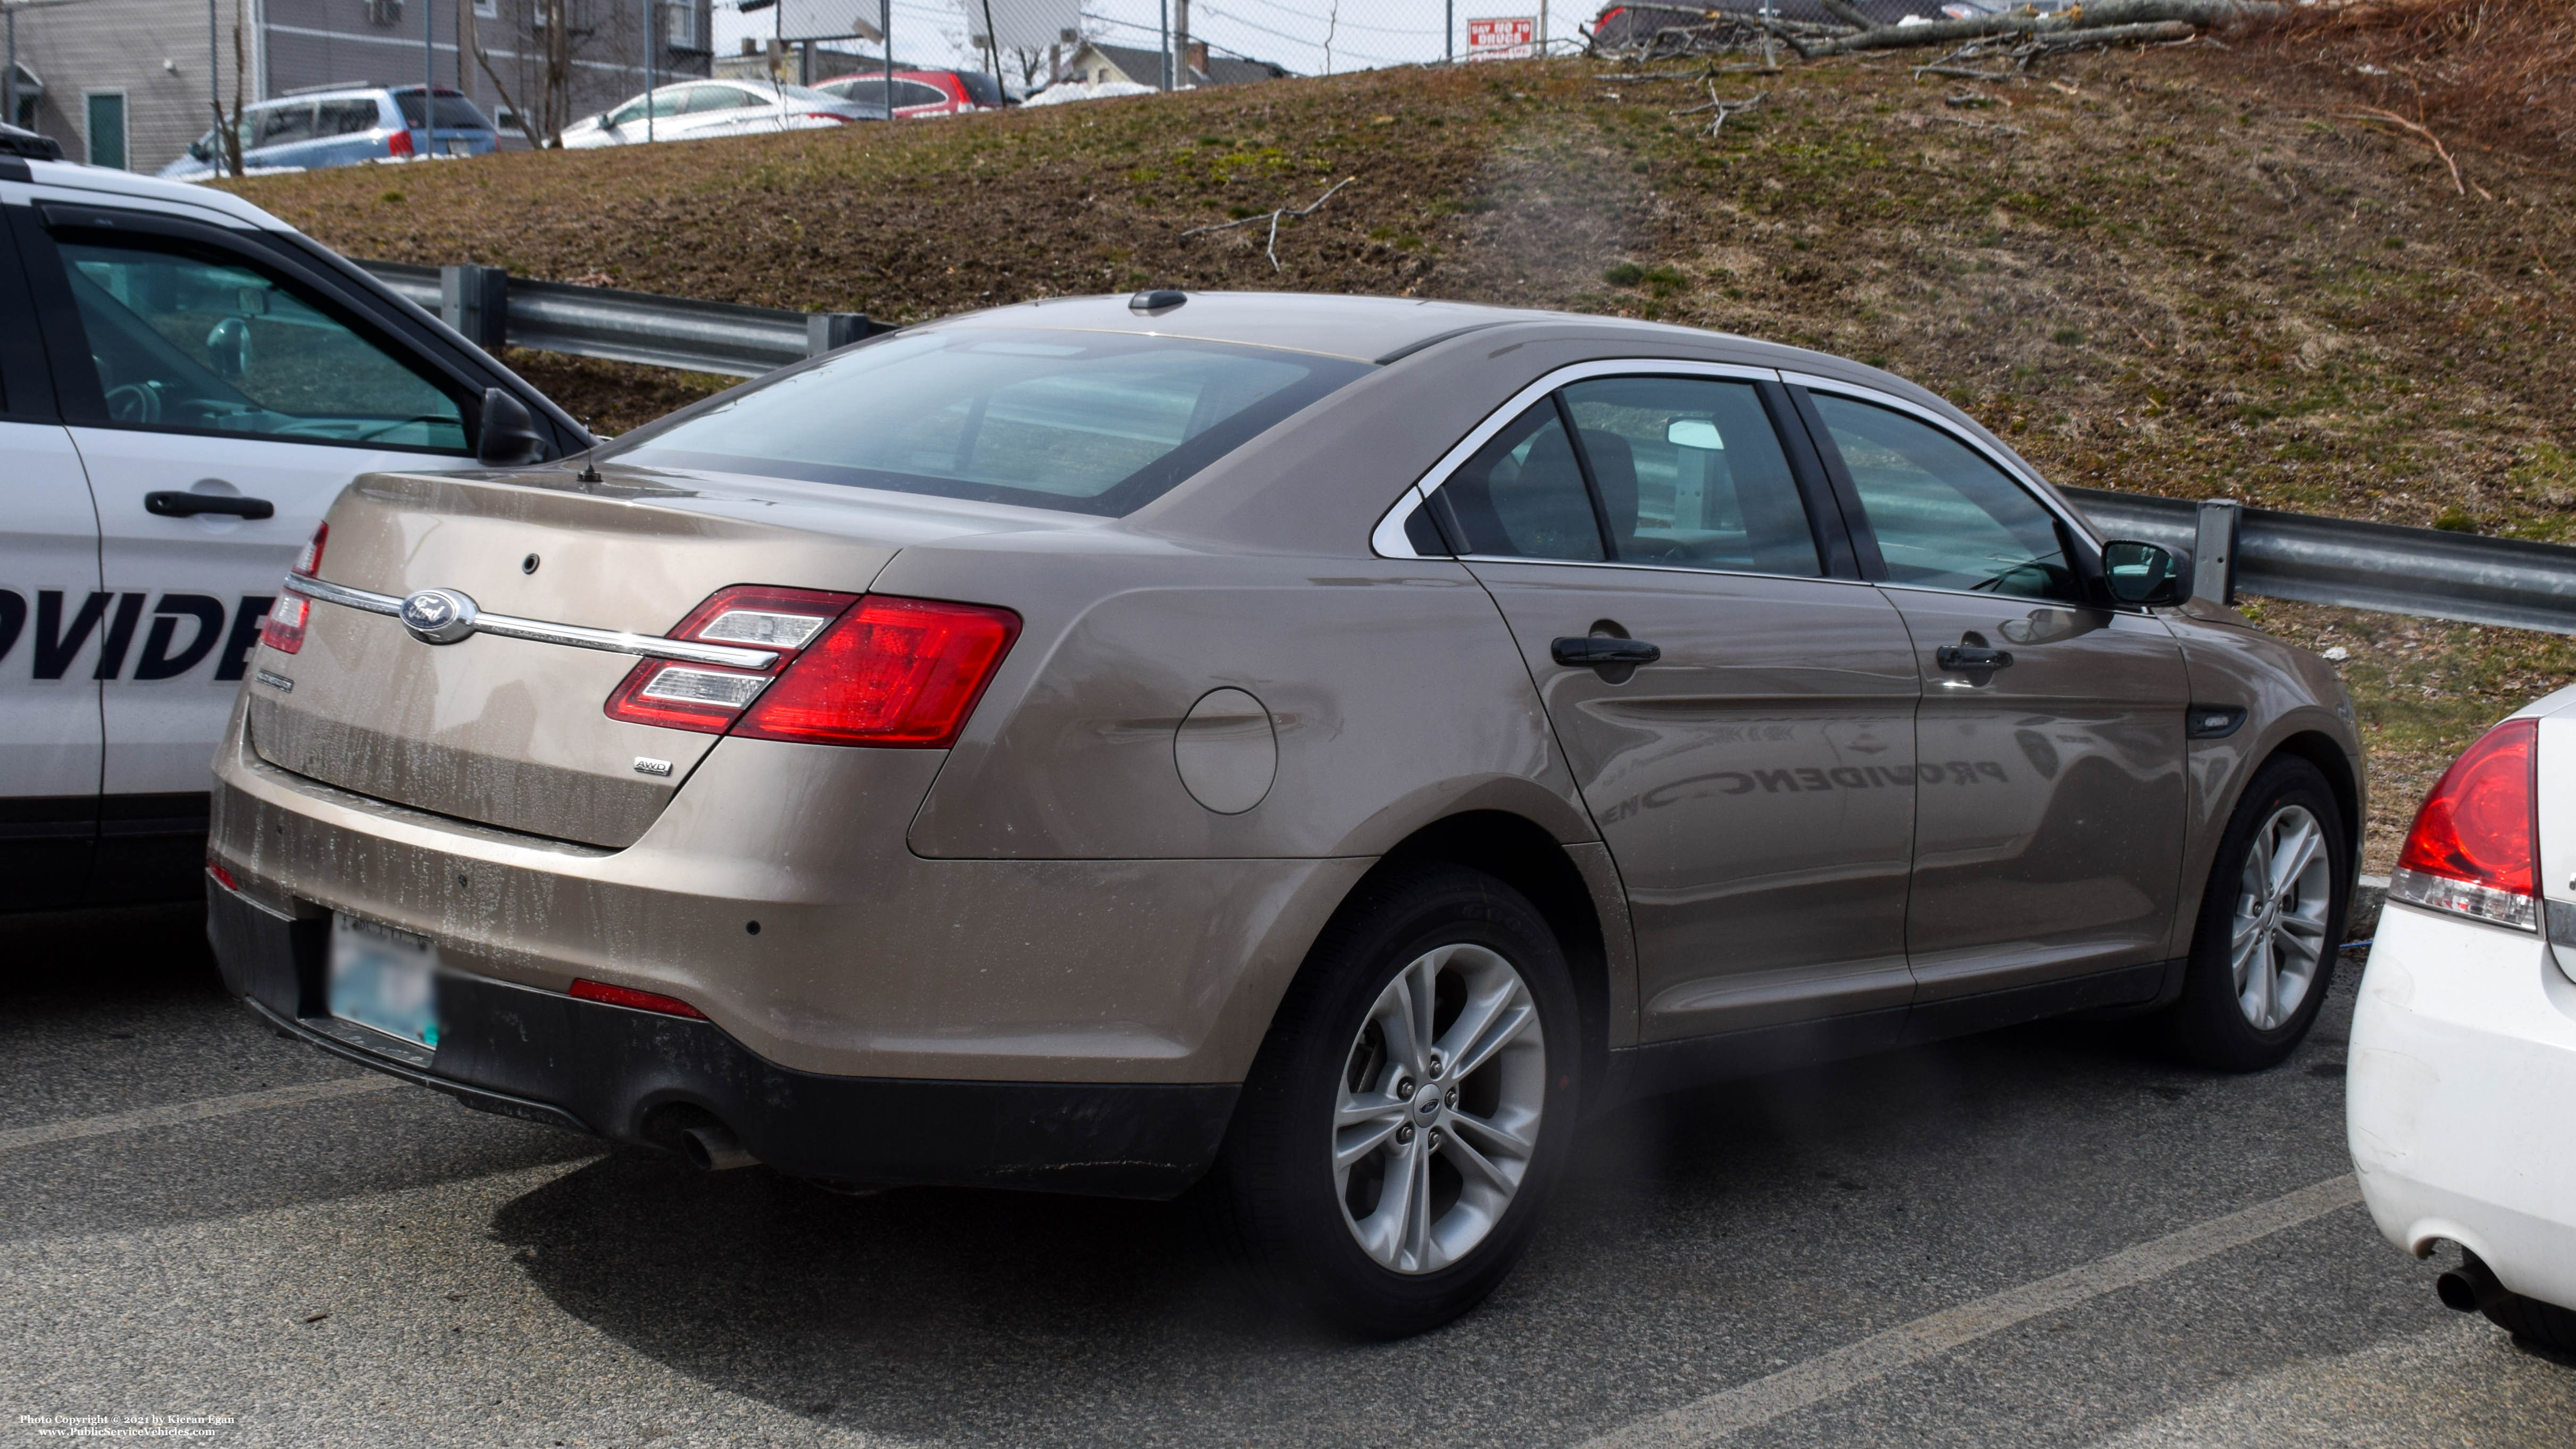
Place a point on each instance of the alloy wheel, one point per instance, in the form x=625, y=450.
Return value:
x=2278, y=936
x=1438, y=1117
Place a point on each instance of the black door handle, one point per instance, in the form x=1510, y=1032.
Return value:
x=189, y=505
x=1972, y=658
x=1594, y=650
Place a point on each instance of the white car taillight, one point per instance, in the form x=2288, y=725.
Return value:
x=2474, y=850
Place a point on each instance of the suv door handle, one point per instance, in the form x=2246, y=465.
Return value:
x=1972, y=658
x=1594, y=650
x=188, y=505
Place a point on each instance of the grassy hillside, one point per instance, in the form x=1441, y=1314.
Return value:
x=2191, y=271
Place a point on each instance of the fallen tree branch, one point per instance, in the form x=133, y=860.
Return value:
x=1271, y=249
x=2143, y=33
x=1850, y=14
x=2101, y=15
x=2367, y=113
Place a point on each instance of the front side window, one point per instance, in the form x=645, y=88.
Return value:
x=1945, y=518
x=206, y=342
x=280, y=125
x=1692, y=476
x=1085, y=422
x=1522, y=495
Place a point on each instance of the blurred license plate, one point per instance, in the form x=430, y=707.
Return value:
x=384, y=979
x=460, y=148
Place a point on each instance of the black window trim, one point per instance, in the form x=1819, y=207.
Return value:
x=2074, y=534
x=1827, y=526
x=26, y=382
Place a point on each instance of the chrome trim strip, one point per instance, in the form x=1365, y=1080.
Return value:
x=539, y=631
x=1390, y=526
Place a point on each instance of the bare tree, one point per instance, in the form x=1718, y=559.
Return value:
x=228, y=136
x=1029, y=61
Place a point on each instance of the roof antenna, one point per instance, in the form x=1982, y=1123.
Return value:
x=589, y=471
x=1156, y=299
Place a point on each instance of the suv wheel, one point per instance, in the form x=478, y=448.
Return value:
x=1411, y=1106
x=2270, y=921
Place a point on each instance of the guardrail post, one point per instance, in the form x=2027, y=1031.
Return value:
x=475, y=300
x=827, y=330
x=2213, y=573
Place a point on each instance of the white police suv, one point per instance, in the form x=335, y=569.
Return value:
x=185, y=384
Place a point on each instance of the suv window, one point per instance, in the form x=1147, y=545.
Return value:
x=278, y=126
x=454, y=112
x=1945, y=518
x=205, y=341
x=1085, y=422
x=1691, y=475
x=1522, y=495
x=346, y=118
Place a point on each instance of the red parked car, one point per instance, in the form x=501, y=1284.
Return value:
x=921, y=92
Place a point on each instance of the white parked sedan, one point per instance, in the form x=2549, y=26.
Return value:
x=2464, y=1042
x=703, y=110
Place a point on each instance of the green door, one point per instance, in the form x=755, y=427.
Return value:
x=107, y=129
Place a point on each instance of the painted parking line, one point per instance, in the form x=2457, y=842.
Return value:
x=1707, y=1420
x=196, y=1111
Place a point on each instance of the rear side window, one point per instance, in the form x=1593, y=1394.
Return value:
x=719, y=98
x=1522, y=495
x=346, y=118
x=1098, y=423
x=1692, y=476
x=454, y=112
x=203, y=341
x=1944, y=517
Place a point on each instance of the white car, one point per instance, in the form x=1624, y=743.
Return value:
x=703, y=110
x=185, y=384
x=2463, y=1057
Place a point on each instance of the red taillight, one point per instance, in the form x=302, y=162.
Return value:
x=709, y=698
x=894, y=672
x=903, y=673
x=283, y=629
x=2474, y=848
x=398, y=144
x=309, y=562
x=222, y=876
x=823, y=116
x=640, y=1000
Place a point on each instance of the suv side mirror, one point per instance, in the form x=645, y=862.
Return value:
x=510, y=437
x=2145, y=573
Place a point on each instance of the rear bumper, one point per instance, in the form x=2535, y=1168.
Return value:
x=636, y=1076
x=2463, y=1061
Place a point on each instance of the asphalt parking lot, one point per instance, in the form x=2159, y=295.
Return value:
x=2048, y=1236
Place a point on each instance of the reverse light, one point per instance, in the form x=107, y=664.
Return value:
x=640, y=1000
x=708, y=698
x=283, y=629
x=309, y=561
x=2474, y=848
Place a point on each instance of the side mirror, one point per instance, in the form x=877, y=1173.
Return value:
x=228, y=348
x=2145, y=573
x=1694, y=433
x=604, y=121
x=510, y=437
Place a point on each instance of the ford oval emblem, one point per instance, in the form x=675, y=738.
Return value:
x=438, y=616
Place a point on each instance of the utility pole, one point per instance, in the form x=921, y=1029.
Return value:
x=885, y=35
x=214, y=79
x=428, y=78
x=9, y=77
x=1180, y=44
x=1449, y=30
x=652, y=43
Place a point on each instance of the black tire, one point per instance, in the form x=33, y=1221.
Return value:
x=2545, y=1324
x=1274, y=1192
x=2208, y=1025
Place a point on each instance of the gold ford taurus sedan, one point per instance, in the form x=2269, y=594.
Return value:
x=1328, y=747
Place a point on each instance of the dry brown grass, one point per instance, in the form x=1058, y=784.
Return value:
x=2499, y=72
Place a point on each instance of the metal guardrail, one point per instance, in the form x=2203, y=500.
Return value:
x=2424, y=571
x=493, y=309
x=2421, y=571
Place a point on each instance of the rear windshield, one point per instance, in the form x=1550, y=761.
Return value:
x=981, y=88
x=1085, y=422
x=455, y=112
